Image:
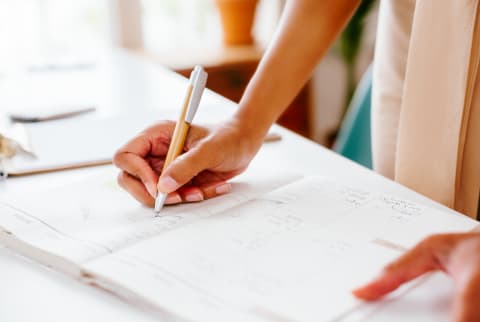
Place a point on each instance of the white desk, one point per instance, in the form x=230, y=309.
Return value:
x=123, y=83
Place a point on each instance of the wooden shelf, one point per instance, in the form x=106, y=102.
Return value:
x=210, y=56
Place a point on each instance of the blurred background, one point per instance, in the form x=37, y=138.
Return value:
x=39, y=35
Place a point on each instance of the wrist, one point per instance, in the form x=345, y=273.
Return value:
x=253, y=120
x=247, y=134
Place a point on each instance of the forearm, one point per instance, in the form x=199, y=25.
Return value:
x=306, y=31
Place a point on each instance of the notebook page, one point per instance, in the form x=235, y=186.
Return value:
x=293, y=254
x=94, y=217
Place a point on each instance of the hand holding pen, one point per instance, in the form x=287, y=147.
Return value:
x=211, y=157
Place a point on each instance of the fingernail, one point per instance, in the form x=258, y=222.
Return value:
x=193, y=197
x=223, y=189
x=152, y=189
x=167, y=184
x=173, y=199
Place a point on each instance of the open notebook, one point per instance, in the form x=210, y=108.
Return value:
x=278, y=248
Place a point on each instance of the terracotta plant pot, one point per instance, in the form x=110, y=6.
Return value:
x=237, y=17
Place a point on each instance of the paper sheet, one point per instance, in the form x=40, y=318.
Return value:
x=94, y=217
x=293, y=254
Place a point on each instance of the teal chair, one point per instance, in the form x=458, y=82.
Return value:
x=354, y=138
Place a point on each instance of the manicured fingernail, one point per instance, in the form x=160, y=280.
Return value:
x=223, y=189
x=173, y=199
x=152, y=189
x=193, y=197
x=167, y=184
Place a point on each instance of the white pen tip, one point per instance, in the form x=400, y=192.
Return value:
x=160, y=201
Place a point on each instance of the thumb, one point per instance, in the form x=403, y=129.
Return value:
x=184, y=168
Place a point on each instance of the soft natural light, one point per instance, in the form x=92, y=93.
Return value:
x=42, y=32
x=179, y=23
x=36, y=30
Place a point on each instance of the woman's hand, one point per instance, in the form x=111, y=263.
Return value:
x=211, y=158
x=456, y=254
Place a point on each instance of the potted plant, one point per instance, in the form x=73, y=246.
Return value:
x=237, y=18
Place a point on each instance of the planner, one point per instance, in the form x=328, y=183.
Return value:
x=279, y=247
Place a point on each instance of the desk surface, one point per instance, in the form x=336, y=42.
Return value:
x=124, y=83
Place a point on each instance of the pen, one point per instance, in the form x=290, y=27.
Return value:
x=196, y=85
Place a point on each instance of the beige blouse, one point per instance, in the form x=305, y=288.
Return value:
x=426, y=99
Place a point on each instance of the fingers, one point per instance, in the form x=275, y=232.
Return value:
x=153, y=141
x=456, y=254
x=185, y=194
x=419, y=260
x=142, y=160
x=191, y=194
x=215, y=189
x=135, y=156
x=132, y=159
x=185, y=168
x=138, y=167
x=156, y=163
x=133, y=186
x=198, y=193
